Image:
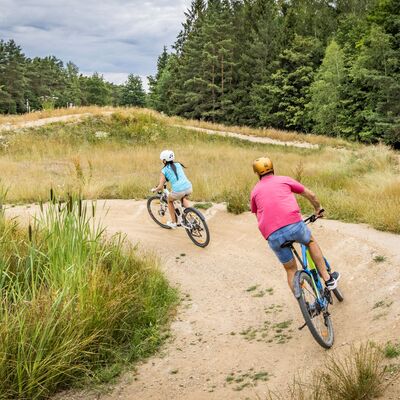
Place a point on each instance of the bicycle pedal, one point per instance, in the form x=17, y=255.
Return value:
x=303, y=326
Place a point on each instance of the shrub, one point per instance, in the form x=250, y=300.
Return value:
x=237, y=201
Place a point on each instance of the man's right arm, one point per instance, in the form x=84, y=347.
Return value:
x=312, y=198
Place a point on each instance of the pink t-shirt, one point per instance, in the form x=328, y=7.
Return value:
x=274, y=203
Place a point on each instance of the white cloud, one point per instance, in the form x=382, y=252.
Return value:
x=114, y=37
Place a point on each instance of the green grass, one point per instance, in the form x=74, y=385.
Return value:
x=76, y=305
x=379, y=259
x=392, y=350
x=203, y=206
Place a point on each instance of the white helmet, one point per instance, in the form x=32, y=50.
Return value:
x=167, y=155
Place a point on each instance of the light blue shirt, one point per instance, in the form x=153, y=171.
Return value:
x=179, y=184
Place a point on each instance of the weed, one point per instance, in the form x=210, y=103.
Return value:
x=252, y=288
x=203, y=206
x=382, y=304
x=391, y=350
x=378, y=258
x=246, y=379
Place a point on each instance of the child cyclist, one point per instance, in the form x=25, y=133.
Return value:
x=279, y=219
x=181, y=186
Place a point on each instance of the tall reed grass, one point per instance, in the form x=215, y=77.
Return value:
x=356, y=184
x=73, y=302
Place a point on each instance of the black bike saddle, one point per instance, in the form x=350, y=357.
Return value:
x=288, y=243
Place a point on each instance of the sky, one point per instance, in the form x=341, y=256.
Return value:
x=113, y=37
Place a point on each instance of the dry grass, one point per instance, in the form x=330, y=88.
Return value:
x=362, y=374
x=358, y=185
x=272, y=133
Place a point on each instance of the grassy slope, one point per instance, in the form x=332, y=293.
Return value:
x=356, y=183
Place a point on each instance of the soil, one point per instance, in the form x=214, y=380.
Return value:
x=235, y=333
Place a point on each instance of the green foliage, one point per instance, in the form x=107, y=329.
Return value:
x=133, y=93
x=326, y=91
x=75, y=304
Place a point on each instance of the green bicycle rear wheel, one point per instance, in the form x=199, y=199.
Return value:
x=318, y=321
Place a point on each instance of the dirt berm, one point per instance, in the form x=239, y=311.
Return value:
x=235, y=333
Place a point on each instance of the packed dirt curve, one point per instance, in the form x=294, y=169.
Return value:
x=225, y=326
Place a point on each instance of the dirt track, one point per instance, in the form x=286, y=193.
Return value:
x=207, y=345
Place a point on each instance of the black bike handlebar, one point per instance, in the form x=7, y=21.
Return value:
x=313, y=218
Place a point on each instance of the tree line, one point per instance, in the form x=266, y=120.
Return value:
x=41, y=83
x=320, y=66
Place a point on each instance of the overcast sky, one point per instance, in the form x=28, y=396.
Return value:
x=113, y=37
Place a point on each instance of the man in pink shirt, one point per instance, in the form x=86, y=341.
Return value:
x=279, y=219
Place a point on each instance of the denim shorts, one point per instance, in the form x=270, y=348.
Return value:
x=298, y=232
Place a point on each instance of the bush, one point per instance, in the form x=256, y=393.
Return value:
x=73, y=302
x=237, y=201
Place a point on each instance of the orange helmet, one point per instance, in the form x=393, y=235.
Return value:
x=263, y=166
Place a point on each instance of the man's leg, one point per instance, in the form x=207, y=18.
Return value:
x=291, y=268
x=318, y=258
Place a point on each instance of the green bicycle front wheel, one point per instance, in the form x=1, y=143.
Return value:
x=318, y=321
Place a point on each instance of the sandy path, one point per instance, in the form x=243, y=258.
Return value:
x=250, y=138
x=206, y=345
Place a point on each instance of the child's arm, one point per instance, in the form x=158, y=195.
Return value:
x=161, y=184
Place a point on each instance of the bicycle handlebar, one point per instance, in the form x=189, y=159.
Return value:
x=312, y=218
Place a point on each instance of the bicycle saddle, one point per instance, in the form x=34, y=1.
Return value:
x=288, y=243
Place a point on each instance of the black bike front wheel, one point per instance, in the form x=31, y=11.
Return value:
x=318, y=321
x=196, y=227
x=338, y=294
x=158, y=211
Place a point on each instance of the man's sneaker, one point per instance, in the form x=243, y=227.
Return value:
x=332, y=283
x=171, y=224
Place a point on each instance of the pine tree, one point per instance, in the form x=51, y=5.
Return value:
x=13, y=82
x=155, y=92
x=133, y=93
x=281, y=100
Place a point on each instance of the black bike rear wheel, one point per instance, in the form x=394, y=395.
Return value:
x=318, y=321
x=196, y=227
x=158, y=211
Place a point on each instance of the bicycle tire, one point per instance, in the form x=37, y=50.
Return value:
x=149, y=202
x=191, y=232
x=300, y=278
x=338, y=294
